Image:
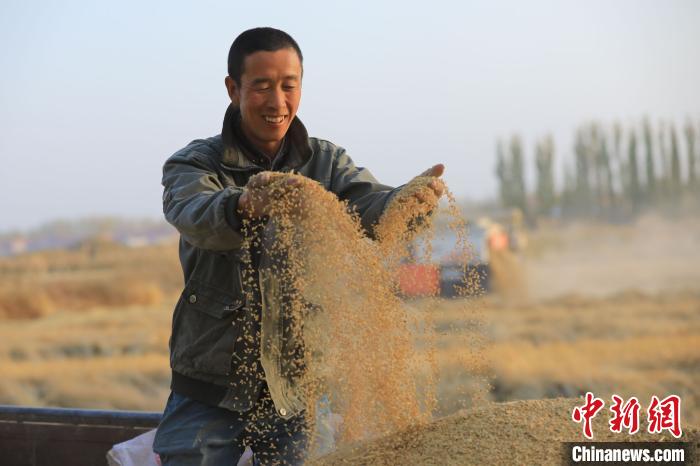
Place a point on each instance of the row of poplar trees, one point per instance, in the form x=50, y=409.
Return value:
x=616, y=173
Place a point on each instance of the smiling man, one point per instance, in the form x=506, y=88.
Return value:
x=224, y=397
x=267, y=95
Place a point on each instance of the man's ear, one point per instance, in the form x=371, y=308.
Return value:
x=233, y=90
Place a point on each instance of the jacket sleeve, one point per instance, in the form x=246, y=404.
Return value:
x=198, y=205
x=361, y=189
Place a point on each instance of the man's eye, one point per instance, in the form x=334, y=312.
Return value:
x=289, y=87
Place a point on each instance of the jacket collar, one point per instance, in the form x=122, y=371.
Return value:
x=237, y=155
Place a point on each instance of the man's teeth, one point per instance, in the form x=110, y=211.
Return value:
x=278, y=119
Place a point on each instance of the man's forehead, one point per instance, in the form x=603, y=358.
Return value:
x=280, y=64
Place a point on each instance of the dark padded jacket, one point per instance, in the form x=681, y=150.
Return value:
x=202, y=183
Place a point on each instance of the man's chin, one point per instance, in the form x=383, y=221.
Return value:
x=275, y=136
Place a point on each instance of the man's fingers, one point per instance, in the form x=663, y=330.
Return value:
x=425, y=196
x=427, y=172
x=259, y=180
x=280, y=190
x=261, y=191
x=437, y=186
x=293, y=182
x=263, y=179
x=435, y=170
x=438, y=170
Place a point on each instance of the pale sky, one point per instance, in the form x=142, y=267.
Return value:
x=94, y=96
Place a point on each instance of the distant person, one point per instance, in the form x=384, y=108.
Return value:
x=221, y=399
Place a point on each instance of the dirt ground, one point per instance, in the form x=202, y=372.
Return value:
x=607, y=309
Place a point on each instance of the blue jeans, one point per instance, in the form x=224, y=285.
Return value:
x=192, y=433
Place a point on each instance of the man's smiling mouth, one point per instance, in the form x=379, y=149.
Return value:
x=275, y=120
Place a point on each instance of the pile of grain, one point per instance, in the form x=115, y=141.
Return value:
x=519, y=432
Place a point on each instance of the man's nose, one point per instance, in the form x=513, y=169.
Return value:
x=277, y=99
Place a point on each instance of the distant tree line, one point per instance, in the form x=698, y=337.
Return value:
x=616, y=173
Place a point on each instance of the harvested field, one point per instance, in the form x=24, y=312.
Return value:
x=107, y=358
x=651, y=256
x=102, y=358
x=97, y=274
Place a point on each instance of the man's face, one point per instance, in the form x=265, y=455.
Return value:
x=268, y=96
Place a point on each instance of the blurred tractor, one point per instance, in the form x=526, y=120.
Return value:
x=492, y=262
x=444, y=268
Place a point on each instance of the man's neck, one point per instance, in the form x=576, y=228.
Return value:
x=267, y=152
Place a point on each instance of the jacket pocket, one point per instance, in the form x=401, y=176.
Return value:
x=206, y=329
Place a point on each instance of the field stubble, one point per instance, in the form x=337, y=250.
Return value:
x=630, y=345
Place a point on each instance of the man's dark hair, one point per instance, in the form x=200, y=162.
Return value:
x=253, y=40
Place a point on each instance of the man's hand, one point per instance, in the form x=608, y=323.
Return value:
x=436, y=185
x=256, y=199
